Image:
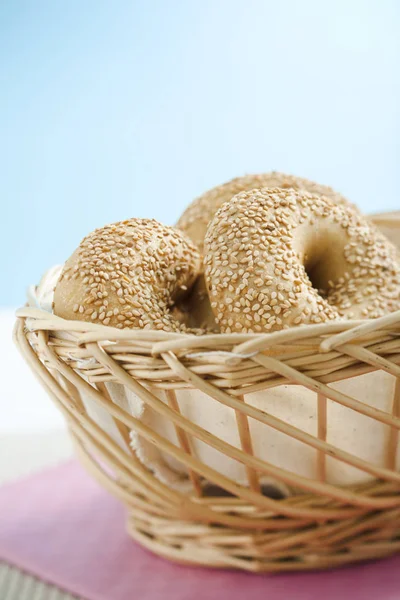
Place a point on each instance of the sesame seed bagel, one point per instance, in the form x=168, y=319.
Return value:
x=128, y=275
x=277, y=258
x=198, y=214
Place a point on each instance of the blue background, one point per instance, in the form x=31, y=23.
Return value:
x=131, y=108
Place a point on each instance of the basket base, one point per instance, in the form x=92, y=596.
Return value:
x=203, y=545
x=231, y=533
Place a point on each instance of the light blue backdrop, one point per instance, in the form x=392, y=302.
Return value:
x=131, y=108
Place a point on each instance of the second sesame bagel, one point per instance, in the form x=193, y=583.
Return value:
x=198, y=214
x=276, y=258
x=128, y=275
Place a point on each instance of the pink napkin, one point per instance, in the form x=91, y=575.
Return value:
x=63, y=528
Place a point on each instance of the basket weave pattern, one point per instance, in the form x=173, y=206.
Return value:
x=323, y=525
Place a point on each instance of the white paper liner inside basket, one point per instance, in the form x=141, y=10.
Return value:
x=347, y=429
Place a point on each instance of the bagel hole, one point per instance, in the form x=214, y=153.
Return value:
x=316, y=275
x=315, y=263
x=321, y=253
x=194, y=308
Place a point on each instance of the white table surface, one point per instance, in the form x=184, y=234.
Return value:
x=32, y=431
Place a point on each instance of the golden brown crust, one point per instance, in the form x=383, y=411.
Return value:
x=276, y=258
x=128, y=275
x=198, y=214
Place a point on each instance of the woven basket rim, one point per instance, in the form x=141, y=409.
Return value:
x=330, y=335
x=27, y=312
x=391, y=215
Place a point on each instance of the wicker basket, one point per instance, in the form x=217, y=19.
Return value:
x=389, y=224
x=277, y=519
